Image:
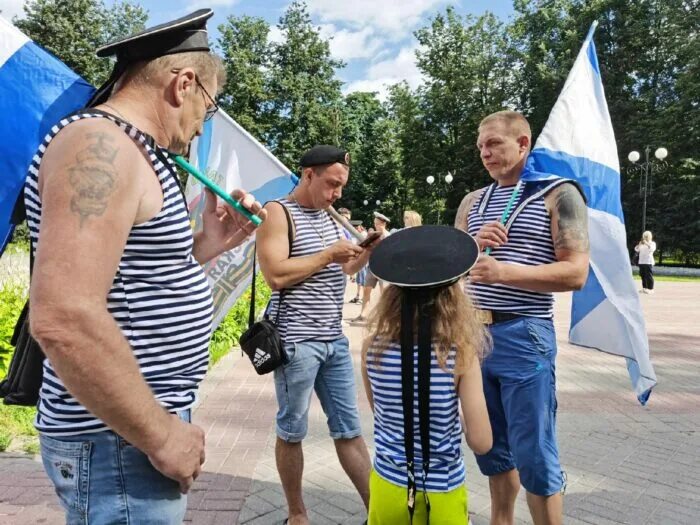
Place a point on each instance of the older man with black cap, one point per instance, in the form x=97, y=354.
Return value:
x=119, y=302
x=304, y=256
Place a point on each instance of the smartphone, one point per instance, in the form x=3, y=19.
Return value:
x=369, y=239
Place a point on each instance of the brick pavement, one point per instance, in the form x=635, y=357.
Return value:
x=626, y=464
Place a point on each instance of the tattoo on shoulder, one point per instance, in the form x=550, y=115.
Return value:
x=93, y=176
x=572, y=220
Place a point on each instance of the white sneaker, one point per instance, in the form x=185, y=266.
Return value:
x=645, y=290
x=650, y=292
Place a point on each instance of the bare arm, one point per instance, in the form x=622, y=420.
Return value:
x=569, y=228
x=461, y=220
x=365, y=375
x=476, y=424
x=280, y=270
x=91, y=197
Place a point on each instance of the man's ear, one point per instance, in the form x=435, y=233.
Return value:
x=183, y=85
x=524, y=143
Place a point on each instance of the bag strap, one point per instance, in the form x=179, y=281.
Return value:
x=290, y=237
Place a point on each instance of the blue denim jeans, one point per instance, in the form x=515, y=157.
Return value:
x=101, y=479
x=323, y=366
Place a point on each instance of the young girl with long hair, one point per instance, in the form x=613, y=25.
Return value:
x=459, y=341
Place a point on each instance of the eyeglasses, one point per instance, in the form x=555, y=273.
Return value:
x=211, y=108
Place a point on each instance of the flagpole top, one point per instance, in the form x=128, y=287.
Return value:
x=591, y=30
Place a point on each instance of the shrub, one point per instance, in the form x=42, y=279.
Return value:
x=235, y=323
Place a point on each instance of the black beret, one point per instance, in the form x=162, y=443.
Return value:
x=183, y=35
x=324, y=154
x=424, y=256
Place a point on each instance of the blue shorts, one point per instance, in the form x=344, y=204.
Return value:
x=519, y=385
x=100, y=478
x=327, y=368
x=361, y=276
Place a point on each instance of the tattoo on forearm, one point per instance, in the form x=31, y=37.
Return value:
x=572, y=221
x=93, y=177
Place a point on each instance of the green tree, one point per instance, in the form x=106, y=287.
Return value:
x=73, y=29
x=468, y=67
x=305, y=96
x=246, y=53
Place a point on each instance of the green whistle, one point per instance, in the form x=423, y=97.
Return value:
x=189, y=168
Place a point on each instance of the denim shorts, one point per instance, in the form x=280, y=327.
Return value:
x=519, y=385
x=362, y=276
x=100, y=478
x=327, y=368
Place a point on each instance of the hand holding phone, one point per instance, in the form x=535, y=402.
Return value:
x=371, y=237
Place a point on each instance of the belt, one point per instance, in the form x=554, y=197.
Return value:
x=494, y=317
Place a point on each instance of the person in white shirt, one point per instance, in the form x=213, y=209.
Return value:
x=646, y=248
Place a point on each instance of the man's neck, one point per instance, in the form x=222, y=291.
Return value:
x=301, y=196
x=141, y=113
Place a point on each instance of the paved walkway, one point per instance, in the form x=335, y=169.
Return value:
x=626, y=464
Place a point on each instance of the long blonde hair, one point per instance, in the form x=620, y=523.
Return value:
x=412, y=218
x=455, y=325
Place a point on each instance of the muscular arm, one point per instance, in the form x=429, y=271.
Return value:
x=569, y=218
x=280, y=270
x=461, y=220
x=93, y=189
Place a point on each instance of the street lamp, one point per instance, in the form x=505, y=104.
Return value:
x=379, y=202
x=645, y=169
x=365, y=202
x=448, y=180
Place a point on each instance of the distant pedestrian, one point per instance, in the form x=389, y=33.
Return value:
x=646, y=248
x=411, y=219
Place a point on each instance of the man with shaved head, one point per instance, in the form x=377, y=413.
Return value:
x=541, y=248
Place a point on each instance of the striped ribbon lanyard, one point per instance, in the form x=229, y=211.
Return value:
x=508, y=210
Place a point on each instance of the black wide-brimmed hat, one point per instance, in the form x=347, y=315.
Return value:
x=183, y=35
x=421, y=261
x=424, y=256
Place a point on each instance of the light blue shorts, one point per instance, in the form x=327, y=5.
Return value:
x=327, y=368
x=100, y=478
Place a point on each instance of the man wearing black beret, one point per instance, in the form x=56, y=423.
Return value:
x=308, y=279
x=119, y=302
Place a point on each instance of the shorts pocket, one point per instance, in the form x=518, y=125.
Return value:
x=67, y=464
x=541, y=332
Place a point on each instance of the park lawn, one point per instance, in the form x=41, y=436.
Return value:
x=17, y=423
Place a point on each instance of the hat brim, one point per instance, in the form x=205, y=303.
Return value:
x=424, y=257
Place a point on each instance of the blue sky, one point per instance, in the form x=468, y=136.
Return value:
x=373, y=37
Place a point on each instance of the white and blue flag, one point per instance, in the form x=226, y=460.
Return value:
x=578, y=143
x=36, y=91
x=232, y=158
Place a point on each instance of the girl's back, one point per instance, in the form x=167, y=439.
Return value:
x=447, y=472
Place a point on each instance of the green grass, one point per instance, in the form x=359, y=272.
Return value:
x=18, y=422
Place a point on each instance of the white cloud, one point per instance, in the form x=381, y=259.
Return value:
x=11, y=8
x=393, y=16
x=346, y=44
x=208, y=4
x=381, y=75
x=275, y=35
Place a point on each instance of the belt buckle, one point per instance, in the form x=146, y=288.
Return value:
x=485, y=316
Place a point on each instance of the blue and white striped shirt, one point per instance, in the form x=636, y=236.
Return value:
x=529, y=243
x=446, y=461
x=312, y=310
x=160, y=299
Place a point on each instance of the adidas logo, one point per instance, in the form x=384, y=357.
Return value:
x=260, y=357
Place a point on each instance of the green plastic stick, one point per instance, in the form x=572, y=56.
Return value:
x=506, y=212
x=189, y=168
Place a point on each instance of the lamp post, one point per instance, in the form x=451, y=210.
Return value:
x=645, y=169
x=448, y=180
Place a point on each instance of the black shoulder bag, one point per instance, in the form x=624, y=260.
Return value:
x=261, y=341
x=24, y=376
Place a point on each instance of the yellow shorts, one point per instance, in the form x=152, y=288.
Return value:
x=387, y=505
